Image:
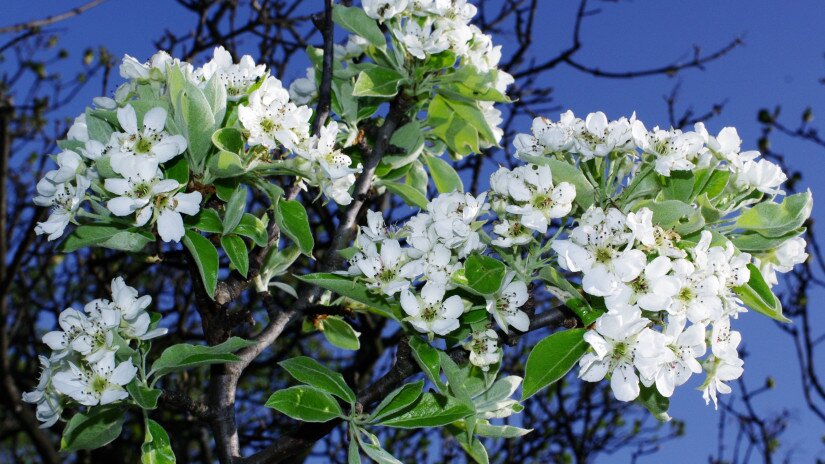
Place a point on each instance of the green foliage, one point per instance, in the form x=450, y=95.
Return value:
x=206, y=258
x=305, y=403
x=291, y=217
x=98, y=427
x=484, y=274
x=355, y=20
x=552, y=358
x=156, y=448
x=355, y=291
x=339, y=333
x=311, y=372
x=186, y=356
x=757, y=295
x=116, y=237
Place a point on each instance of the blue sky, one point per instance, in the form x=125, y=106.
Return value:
x=780, y=63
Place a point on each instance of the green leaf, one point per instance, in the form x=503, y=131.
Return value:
x=378, y=454
x=429, y=410
x=98, y=427
x=225, y=164
x=235, y=249
x=446, y=179
x=186, y=356
x=178, y=169
x=410, y=195
x=377, y=82
x=253, y=228
x=679, y=186
x=397, y=400
x=484, y=274
x=353, y=455
x=206, y=258
x=156, y=448
x=757, y=295
x=305, y=403
x=410, y=139
x=551, y=359
x=355, y=20
x=473, y=447
x=215, y=93
x=484, y=429
x=428, y=360
x=207, y=220
x=355, y=291
x=228, y=139
x=199, y=122
x=657, y=404
x=777, y=219
x=235, y=208
x=292, y=218
x=667, y=213
x=460, y=136
x=753, y=242
x=145, y=397
x=97, y=127
x=107, y=236
x=338, y=332
x=311, y=372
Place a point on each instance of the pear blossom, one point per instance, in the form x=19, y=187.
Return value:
x=47, y=400
x=429, y=312
x=782, y=259
x=483, y=348
x=305, y=89
x=422, y=40
x=383, y=10
x=170, y=221
x=719, y=371
x=653, y=290
x=673, y=149
x=668, y=359
x=272, y=119
x=698, y=294
x=535, y=197
x=150, y=142
x=505, y=305
x=103, y=383
x=141, y=182
x=236, y=77
x=511, y=233
x=65, y=200
x=453, y=216
x=549, y=136
x=762, y=175
x=595, y=249
x=600, y=137
x=387, y=270
x=73, y=324
x=613, y=341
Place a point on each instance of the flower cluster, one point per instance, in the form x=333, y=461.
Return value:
x=430, y=27
x=525, y=201
x=664, y=263
x=87, y=364
x=437, y=243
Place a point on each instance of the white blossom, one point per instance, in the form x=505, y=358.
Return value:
x=668, y=359
x=505, y=305
x=102, y=383
x=237, y=78
x=483, y=348
x=384, y=10
x=613, y=342
x=272, y=119
x=719, y=371
x=429, y=312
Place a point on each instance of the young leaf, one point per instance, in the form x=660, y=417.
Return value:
x=397, y=400
x=253, y=228
x=551, y=358
x=757, y=295
x=446, y=179
x=235, y=208
x=355, y=20
x=156, y=448
x=305, y=403
x=228, y=139
x=776, y=219
x=355, y=291
x=146, y=398
x=107, y=236
x=377, y=81
x=178, y=169
x=410, y=195
x=484, y=274
x=484, y=429
x=427, y=358
x=378, y=454
x=96, y=428
x=207, y=220
x=311, y=372
x=292, y=218
x=429, y=410
x=199, y=122
x=225, y=164
x=339, y=333
x=185, y=356
x=206, y=258
x=235, y=249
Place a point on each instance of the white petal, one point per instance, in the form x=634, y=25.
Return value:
x=170, y=225
x=155, y=119
x=128, y=119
